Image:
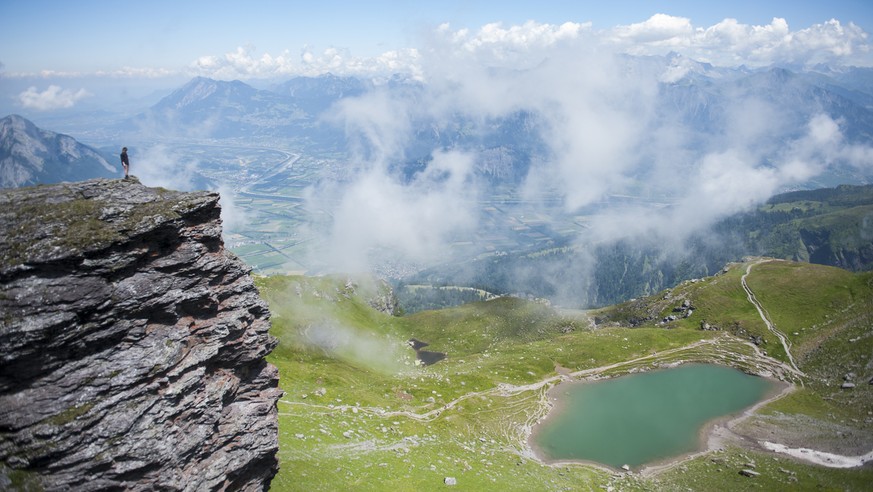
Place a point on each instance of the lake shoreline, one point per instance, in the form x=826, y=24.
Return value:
x=712, y=436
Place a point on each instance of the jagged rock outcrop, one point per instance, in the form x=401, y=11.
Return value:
x=132, y=344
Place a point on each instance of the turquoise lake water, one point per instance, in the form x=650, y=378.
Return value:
x=644, y=417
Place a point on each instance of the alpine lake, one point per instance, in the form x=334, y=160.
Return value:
x=644, y=418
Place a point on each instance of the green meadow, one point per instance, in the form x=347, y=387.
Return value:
x=361, y=413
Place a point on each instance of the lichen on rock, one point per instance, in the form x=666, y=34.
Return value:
x=132, y=344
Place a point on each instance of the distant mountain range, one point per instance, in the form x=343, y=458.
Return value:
x=30, y=155
x=207, y=108
x=700, y=97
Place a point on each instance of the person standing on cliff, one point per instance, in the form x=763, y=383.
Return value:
x=125, y=162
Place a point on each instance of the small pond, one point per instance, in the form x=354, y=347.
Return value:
x=644, y=417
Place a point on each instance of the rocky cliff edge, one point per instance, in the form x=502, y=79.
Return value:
x=132, y=344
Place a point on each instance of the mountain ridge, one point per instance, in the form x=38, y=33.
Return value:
x=704, y=98
x=30, y=155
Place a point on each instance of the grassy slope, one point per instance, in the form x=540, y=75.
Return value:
x=827, y=314
x=820, y=309
x=351, y=438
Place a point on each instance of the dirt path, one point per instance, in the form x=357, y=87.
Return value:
x=507, y=389
x=771, y=365
x=786, y=344
x=523, y=432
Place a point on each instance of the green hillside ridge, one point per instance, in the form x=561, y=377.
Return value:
x=359, y=413
x=830, y=226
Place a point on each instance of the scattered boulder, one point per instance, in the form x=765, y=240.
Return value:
x=450, y=481
x=749, y=473
x=685, y=307
x=416, y=344
x=708, y=327
x=847, y=385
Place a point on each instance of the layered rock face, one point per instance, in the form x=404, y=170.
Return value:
x=132, y=344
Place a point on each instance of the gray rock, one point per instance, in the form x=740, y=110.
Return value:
x=749, y=473
x=450, y=481
x=847, y=385
x=132, y=343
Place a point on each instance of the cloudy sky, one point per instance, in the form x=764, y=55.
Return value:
x=270, y=38
x=481, y=60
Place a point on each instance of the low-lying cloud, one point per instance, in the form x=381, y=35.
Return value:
x=377, y=211
x=54, y=97
x=160, y=166
x=603, y=121
x=368, y=350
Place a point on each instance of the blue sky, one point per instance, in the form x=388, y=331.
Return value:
x=99, y=35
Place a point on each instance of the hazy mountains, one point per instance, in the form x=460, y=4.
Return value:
x=830, y=226
x=30, y=155
x=206, y=108
x=702, y=101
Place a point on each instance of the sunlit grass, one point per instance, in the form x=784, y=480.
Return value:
x=349, y=422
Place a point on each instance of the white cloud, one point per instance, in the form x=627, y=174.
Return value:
x=658, y=29
x=726, y=43
x=730, y=43
x=604, y=134
x=823, y=145
x=415, y=220
x=504, y=42
x=139, y=73
x=733, y=179
x=245, y=63
x=377, y=124
x=158, y=166
x=54, y=97
x=233, y=216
